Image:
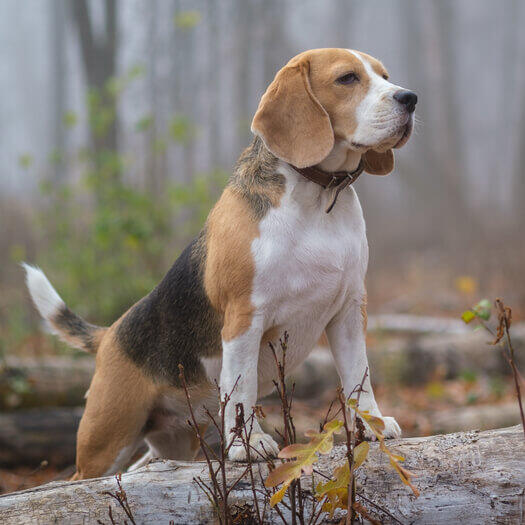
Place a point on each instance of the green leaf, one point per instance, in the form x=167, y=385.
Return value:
x=135, y=71
x=144, y=123
x=69, y=119
x=483, y=309
x=25, y=160
x=181, y=129
x=187, y=19
x=56, y=156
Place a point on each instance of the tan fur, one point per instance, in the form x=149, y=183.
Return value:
x=229, y=271
x=304, y=109
x=293, y=124
x=119, y=402
x=327, y=65
x=378, y=163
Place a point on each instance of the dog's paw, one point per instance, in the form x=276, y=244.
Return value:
x=392, y=429
x=263, y=444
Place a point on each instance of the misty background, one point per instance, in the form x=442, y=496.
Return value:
x=120, y=122
x=154, y=98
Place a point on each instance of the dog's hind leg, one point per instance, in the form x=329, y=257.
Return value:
x=118, y=406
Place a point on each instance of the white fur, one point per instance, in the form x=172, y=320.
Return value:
x=379, y=116
x=45, y=297
x=309, y=277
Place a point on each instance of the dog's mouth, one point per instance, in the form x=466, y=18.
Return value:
x=406, y=132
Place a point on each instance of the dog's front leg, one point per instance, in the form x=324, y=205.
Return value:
x=239, y=378
x=346, y=335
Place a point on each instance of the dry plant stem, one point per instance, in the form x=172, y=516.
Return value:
x=509, y=354
x=504, y=317
x=197, y=431
x=268, y=496
x=218, y=492
x=280, y=386
x=379, y=508
x=224, y=501
x=241, y=427
x=295, y=491
x=121, y=498
x=350, y=444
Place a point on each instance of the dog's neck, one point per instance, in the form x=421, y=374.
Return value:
x=341, y=158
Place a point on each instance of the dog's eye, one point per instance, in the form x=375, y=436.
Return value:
x=349, y=78
x=385, y=76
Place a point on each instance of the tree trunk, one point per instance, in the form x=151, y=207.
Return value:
x=58, y=105
x=471, y=477
x=99, y=59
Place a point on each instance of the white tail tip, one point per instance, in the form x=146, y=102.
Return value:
x=45, y=297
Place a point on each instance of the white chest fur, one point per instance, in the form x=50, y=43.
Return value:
x=308, y=262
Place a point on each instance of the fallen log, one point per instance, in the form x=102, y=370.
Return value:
x=414, y=361
x=45, y=381
x=468, y=478
x=440, y=348
x=28, y=437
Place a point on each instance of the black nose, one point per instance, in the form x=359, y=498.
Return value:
x=407, y=98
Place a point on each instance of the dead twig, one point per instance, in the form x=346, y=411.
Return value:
x=121, y=498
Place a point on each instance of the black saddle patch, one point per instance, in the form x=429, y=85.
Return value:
x=175, y=323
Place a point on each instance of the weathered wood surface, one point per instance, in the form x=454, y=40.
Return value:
x=468, y=478
x=28, y=437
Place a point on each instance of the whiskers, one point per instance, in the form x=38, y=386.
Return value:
x=418, y=123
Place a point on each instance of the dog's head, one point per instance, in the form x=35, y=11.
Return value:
x=325, y=97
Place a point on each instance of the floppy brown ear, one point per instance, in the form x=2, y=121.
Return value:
x=290, y=120
x=378, y=163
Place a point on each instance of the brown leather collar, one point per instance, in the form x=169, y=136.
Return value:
x=337, y=179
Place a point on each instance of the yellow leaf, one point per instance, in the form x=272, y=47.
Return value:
x=360, y=453
x=466, y=284
x=335, y=490
x=286, y=471
x=340, y=481
x=305, y=454
x=468, y=316
x=404, y=474
x=375, y=423
x=279, y=495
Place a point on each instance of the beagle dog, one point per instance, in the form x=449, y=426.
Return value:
x=269, y=259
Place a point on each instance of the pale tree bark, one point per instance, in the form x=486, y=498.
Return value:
x=245, y=45
x=58, y=53
x=214, y=70
x=444, y=113
x=468, y=478
x=98, y=56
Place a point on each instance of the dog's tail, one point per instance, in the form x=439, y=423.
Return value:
x=58, y=317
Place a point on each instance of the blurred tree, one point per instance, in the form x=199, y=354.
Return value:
x=57, y=24
x=245, y=38
x=214, y=103
x=99, y=61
